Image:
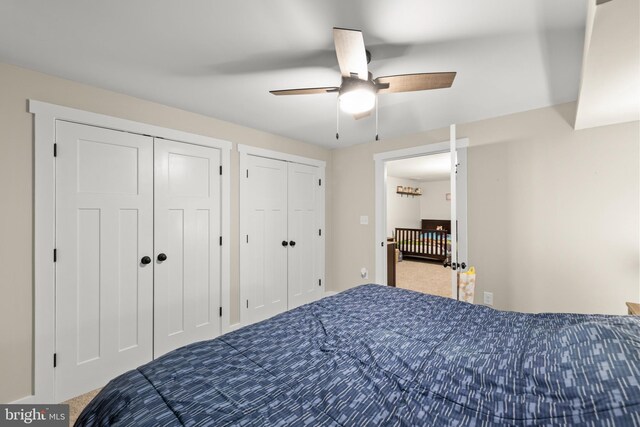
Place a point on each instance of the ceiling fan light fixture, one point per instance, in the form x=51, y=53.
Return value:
x=358, y=100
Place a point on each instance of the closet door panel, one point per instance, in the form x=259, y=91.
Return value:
x=263, y=269
x=187, y=212
x=104, y=226
x=305, y=218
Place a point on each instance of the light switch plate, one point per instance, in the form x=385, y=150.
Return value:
x=364, y=220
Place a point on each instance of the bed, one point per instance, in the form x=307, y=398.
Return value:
x=432, y=241
x=376, y=355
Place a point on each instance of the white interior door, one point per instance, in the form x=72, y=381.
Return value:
x=264, y=239
x=187, y=244
x=306, y=250
x=454, y=216
x=459, y=262
x=104, y=227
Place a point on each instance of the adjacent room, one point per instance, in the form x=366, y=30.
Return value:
x=419, y=223
x=304, y=213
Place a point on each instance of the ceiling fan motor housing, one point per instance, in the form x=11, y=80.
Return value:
x=353, y=83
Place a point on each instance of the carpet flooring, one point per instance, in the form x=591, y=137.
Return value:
x=77, y=404
x=425, y=277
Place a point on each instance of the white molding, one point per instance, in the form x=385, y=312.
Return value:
x=242, y=231
x=420, y=150
x=27, y=400
x=225, y=224
x=94, y=119
x=235, y=327
x=276, y=155
x=381, y=195
x=45, y=119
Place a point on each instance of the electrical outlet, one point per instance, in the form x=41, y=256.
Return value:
x=488, y=298
x=364, y=273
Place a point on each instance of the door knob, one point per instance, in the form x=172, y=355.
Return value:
x=145, y=260
x=285, y=243
x=463, y=266
x=446, y=263
x=162, y=257
x=292, y=243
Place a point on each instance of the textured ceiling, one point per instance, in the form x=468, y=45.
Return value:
x=220, y=58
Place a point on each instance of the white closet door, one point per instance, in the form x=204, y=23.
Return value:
x=305, y=218
x=104, y=227
x=187, y=232
x=263, y=269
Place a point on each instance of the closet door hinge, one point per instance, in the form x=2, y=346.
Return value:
x=55, y=359
x=319, y=282
x=220, y=311
x=55, y=150
x=320, y=182
x=247, y=173
x=55, y=255
x=247, y=303
x=220, y=240
x=319, y=231
x=247, y=238
x=220, y=170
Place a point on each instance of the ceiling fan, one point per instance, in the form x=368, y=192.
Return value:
x=358, y=90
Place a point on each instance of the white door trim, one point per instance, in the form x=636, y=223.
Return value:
x=247, y=150
x=45, y=117
x=380, y=160
x=276, y=155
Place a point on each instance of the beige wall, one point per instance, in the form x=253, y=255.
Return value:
x=553, y=212
x=402, y=211
x=16, y=192
x=433, y=202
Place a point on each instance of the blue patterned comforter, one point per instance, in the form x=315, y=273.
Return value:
x=376, y=355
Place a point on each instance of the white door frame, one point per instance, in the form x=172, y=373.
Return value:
x=45, y=117
x=247, y=150
x=380, y=160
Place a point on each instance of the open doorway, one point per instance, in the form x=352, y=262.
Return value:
x=433, y=245
x=418, y=207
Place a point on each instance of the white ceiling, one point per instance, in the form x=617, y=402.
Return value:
x=610, y=86
x=220, y=58
x=435, y=167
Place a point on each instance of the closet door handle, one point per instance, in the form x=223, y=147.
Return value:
x=145, y=260
x=285, y=243
x=162, y=257
x=292, y=243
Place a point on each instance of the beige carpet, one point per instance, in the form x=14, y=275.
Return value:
x=77, y=404
x=426, y=277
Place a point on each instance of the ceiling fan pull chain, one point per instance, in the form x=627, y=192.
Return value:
x=337, y=118
x=377, y=136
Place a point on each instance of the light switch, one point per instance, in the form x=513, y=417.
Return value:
x=364, y=220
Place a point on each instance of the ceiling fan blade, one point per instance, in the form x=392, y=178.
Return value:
x=412, y=82
x=352, y=56
x=362, y=115
x=305, y=91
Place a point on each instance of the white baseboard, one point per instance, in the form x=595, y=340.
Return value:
x=329, y=293
x=235, y=327
x=27, y=400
